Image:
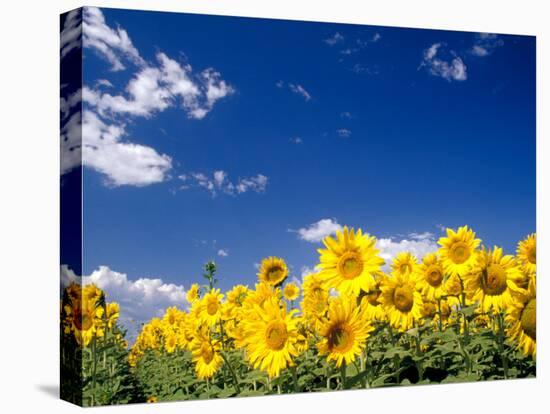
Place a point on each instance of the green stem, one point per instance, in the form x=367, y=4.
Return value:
x=295, y=378
x=500, y=319
x=343, y=374
x=94, y=368
x=233, y=373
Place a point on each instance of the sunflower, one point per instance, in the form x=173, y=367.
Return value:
x=152, y=399
x=205, y=354
x=185, y=334
x=171, y=317
x=527, y=253
x=344, y=331
x=492, y=282
x=91, y=293
x=349, y=262
x=170, y=342
x=291, y=291
x=193, y=293
x=273, y=271
x=458, y=250
x=452, y=289
x=258, y=296
x=404, y=264
x=271, y=337
x=371, y=301
x=315, y=298
x=210, y=307
x=430, y=277
x=401, y=301
x=522, y=321
x=112, y=313
x=86, y=321
x=237, y=294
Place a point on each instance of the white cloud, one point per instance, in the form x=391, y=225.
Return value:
x=223, y=252
x=154, y=89
x=71, y=34
x=307, y=270
x=376, y=37
x=453, y=69
x=70, y=101
x=123, y=163
x=296, y=140
x=279, y=84
x=418, y=244
x=140, y=300
x=316, y=232
x=334, y=39
x=485, y=43
x=346, y=115
x=343, y=133
x=104, y=82
x=219, y=183
x=300, y=90
x=113, y=45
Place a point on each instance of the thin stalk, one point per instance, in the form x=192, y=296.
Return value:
x=94, y=368
x=233, y=373
x=295, y=378
x=500, y=319
x=343, y=374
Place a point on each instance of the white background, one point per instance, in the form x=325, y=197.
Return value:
x=29, y=162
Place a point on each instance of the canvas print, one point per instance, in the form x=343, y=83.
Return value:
x=256, y=207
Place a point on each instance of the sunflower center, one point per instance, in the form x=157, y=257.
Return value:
x=373, y=296
x=429, y=309
x=276, y=335
x=529, y=319
x=350, y=265
x=207, y=353
x=83, y=321
x=171, y=319
x=275, y=273
x=532, y=256
x=459, y=252
x=403, y=298
x=212, y=307
x=494, y=280
x=340, y=338
x=434, y=275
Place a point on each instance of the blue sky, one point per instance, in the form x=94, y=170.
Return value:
x=396, y=131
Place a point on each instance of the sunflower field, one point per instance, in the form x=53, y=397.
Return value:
x=463, y=313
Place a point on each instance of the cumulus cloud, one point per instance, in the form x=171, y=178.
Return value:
x=103, y=149
x=218, y=182
x=316, y=232
x=296, y=140
x=140, y=299
x=114, y=45
x=452, y=69
x=418, y=244
x=334, y=39
x=97, y=137
x=343, y=133
x=154, y=89
x=308, y=270
x=485, y=44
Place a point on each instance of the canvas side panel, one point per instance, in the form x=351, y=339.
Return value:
x=71, y=376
